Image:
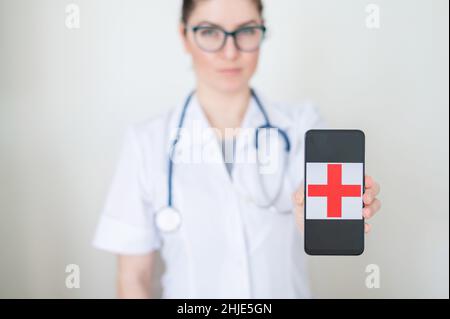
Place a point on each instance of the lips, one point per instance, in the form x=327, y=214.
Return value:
x=230, y=71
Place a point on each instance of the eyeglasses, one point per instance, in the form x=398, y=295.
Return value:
x=214, y=38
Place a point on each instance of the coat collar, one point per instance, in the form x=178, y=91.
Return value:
x=196, y=130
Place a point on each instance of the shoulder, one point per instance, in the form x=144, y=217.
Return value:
x=299, y=115
x=296, y=118
x=152, y=125
x=152, y=131
x=303, y=111
x=145, y=146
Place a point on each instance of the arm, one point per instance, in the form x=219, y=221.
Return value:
x=134, y=276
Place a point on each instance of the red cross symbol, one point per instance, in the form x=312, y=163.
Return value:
x=334, y=191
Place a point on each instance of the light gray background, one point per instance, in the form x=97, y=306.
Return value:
x=66, y=97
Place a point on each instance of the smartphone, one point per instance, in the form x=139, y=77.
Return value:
x=334, y=188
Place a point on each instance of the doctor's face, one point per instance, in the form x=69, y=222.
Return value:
x=223, y=66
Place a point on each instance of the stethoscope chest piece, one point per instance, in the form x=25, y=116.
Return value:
x=168, y=220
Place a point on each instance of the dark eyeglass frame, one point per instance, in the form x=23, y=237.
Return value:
x=227, y=34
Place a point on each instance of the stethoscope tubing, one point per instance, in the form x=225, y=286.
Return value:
x=181, y=121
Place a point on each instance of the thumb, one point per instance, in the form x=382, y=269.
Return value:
x=299, y=200
x=299, y=197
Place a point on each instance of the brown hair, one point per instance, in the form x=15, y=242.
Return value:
x=189, y=6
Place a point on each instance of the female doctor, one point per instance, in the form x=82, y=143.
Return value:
x=223, y=223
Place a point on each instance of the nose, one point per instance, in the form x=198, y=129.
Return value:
x=230, y=51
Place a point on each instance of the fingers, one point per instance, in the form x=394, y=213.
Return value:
x=368, y=197
x=371, y=194
x=370, y=210
x=372, y=204
x=369, y=181
x=371, y=185
x=299, y=197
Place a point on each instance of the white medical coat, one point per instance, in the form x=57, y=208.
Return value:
x=227, y=247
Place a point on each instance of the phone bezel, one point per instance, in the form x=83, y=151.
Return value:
x=333, y=252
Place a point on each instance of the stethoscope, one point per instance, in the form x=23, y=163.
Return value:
x=168, y=219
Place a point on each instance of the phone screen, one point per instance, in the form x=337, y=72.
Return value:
x=334, y=186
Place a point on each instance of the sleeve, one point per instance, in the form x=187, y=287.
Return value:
x=126, y=224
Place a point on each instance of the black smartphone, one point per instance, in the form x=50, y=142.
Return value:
x=334, y=188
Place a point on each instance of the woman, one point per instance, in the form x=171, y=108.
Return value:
x=217, y=235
